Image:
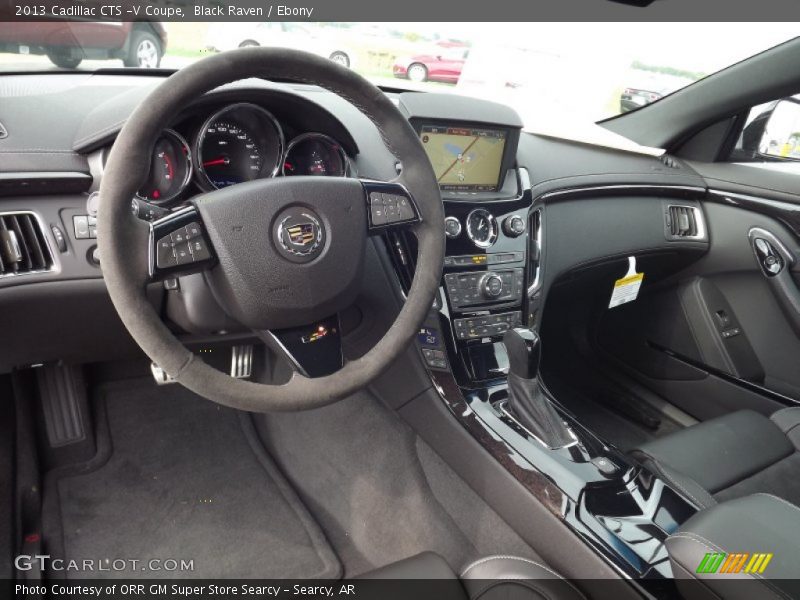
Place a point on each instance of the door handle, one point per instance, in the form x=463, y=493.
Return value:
x=775, y=262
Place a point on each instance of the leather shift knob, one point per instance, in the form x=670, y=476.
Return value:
x=523, y=350
x=526, y=401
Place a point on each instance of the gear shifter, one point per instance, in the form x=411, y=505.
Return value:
x=526, y=400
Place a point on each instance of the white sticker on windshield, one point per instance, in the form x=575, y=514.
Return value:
x=627, y=289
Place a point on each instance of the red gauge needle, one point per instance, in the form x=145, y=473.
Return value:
x=223, y=160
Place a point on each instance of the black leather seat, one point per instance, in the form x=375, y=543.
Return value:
x=490, y=578
x=758, y=535
x=730, y=457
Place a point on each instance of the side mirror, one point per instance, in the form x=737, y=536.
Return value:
x=781, y=135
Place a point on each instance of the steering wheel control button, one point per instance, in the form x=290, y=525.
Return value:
x=299, y=234
x=178, y=236
x=165, y=254
x=452, y=227
x=192, y=231
x=377, y=212
x=199, y=249
x=514, y=226
x=180, y=243
x=389, y=204
x=183, y=255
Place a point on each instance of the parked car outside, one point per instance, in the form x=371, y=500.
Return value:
x=67, y=43
x=649, y=89
x=273, y=34
x=443, y=64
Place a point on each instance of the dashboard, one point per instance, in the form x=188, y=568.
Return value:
x=505, y=245
x=233, y=143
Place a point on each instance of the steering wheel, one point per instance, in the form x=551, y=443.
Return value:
x=283, y=256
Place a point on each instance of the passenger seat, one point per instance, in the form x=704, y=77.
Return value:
x=490, y=578
x=729, y=457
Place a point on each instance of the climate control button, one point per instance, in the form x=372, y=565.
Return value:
x=491, y=285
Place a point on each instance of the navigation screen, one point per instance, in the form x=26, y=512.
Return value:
x=463, y=158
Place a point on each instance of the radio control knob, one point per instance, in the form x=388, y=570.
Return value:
x=514, y=226
x=452, y=227
x=491, y=285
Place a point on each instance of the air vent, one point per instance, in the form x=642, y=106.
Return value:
x=23, y=247
x=684, y=222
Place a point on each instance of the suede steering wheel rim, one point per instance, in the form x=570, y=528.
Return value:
x=122, y=238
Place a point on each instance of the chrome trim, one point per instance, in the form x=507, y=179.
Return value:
x=537, y=278
x=97, y=166
x=492, y=223
x=699, y=219
x=760, y=232
x=451, y=219
x=242, y=361
x=301, y=250
x=160, y=376
x=334, y=144
x=36, y=175
x=229, y=108
x=189, y=171
x=53, y=267
x=524, y=179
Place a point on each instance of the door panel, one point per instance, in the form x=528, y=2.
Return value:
x=721, y=316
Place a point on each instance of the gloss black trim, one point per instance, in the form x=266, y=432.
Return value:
x=680, y=191
x=742, y=383
x=786, y=212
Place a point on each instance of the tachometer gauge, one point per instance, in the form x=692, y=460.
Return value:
x=170, y=168
x=239, y=143
x=315, y=154
x=482, y=228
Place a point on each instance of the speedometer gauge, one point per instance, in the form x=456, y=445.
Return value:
x=239, y=143
x=315, y=154
x=170, y=168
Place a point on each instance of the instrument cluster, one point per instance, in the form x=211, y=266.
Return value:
x=237, y=143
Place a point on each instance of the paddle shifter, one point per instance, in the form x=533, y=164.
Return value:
x=526, y=400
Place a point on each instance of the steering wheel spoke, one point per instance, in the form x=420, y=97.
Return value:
x=179, y=245
x=313, y=350
x=391, y=206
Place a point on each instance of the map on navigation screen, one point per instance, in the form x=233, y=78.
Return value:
x=464, y=158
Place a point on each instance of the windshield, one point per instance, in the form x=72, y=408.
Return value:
x=547, y=71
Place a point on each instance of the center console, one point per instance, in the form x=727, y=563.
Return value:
x=481, y=350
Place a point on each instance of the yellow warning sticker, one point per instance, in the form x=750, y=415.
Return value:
x=627, y=289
